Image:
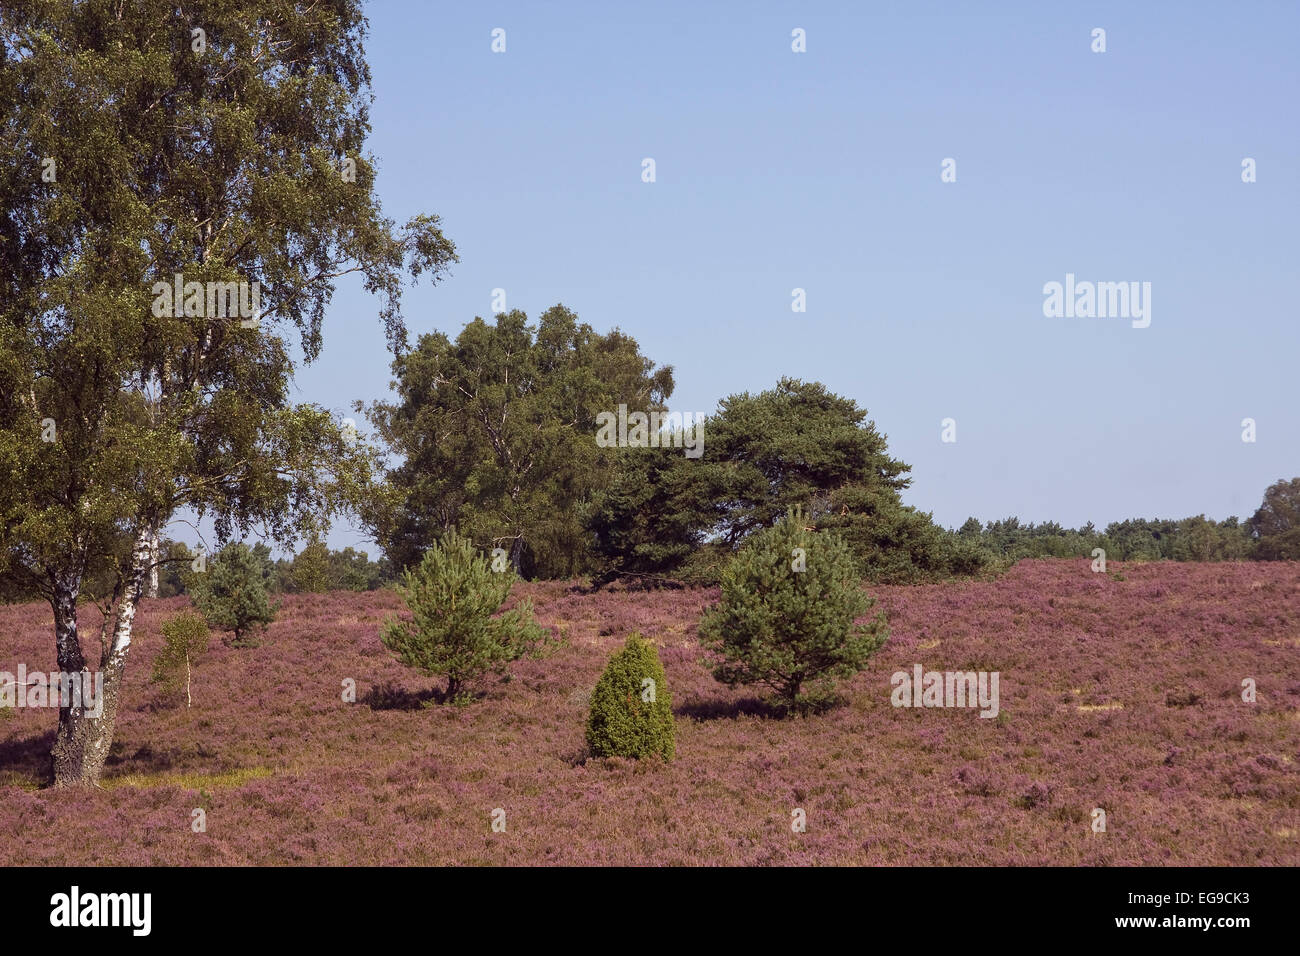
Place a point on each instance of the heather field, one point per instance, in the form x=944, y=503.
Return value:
x=1120, y=691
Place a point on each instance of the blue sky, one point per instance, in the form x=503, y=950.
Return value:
x=821, y=170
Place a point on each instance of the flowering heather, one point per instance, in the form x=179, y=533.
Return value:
x=1120, y=694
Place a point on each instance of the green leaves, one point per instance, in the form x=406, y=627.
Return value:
x=132, y=158
x=1277, y=522
x=232, y=593
x=185, y=638
x=794, y=445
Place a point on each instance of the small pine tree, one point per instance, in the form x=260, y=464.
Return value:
x=631, y=709
x=231, y=592
x=311, y=568
x=786, y=619
x=185, y=637
x=454, y=596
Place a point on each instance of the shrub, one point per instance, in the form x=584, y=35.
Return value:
x=631, y=709
x=786, y=619
x=185, y=637
x=231, y=592
x=453, y=596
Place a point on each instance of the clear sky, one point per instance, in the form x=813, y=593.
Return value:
x=822, y=170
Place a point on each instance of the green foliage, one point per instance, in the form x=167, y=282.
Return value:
x=497, y=435
x=352, y=570
x=231, y=592
x=310, y=571
x=655, y=513
x=789, y=629
x=1013, y=540
x=185, y=638
x=631, y=708
x=346, y=570
x=1200, y=539
x=1191, y=539
x=317, y=568
x=225, y=166
x=894, y=543
x=175, y=559
x=794, y=445
x=226, y=176
x=455, y=629
x=1276, y=525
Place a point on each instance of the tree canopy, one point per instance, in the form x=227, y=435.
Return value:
x=497, y=435
x=1276, y=525
x=795, y=445
x=217, y=147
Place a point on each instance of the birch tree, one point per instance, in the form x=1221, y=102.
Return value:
x=218, y=145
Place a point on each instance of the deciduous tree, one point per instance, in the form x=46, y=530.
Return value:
x=136, y=154
x=497, y=432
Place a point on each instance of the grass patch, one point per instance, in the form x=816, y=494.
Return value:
x=14, y=778
x=190, y=781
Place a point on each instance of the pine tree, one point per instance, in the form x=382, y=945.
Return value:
x=311, y=568
x=786, y=619
x=231, y=592
x=631, y=709
x=454, y=596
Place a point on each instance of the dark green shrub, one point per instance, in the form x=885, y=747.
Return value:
x=631, y=709
x=231, y=592
x=786, y=619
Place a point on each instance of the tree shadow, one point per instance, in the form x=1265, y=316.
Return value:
x=146, y=760
x=391, y=696
x=28, y=756
x=628, y=581
x=577, y=757
x=731, y=709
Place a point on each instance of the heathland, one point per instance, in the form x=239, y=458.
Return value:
x=1120, y=691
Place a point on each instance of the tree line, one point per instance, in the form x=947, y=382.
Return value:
x=496, y=435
